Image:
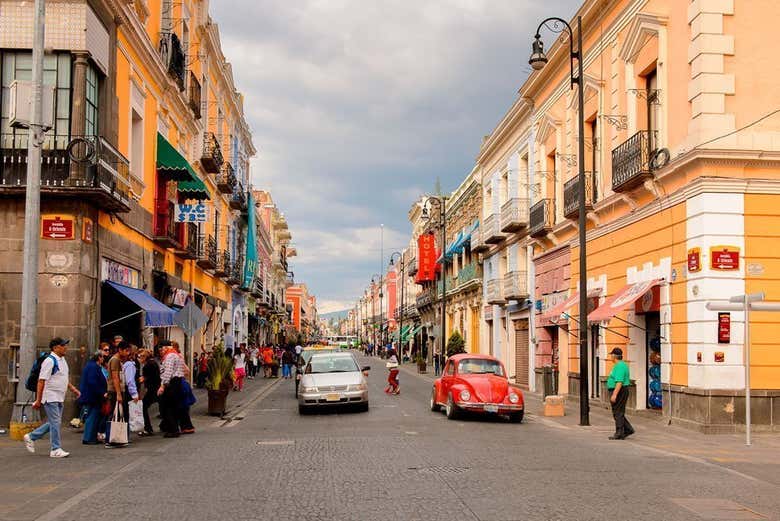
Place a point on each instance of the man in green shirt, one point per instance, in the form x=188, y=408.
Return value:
x=617, y=384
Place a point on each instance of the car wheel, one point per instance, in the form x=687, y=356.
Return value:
x=516, y=417
x=303, y=410
x=451, y=409
x=363, y=407
x=434, y=406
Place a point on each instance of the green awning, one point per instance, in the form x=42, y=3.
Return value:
x=193, y=189
x=173, y=164
x=404, y=333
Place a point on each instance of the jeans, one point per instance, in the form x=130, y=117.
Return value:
x=52, y=426
x=287, y=370
x=92, y=423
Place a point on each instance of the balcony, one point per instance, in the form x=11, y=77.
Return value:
x=237, y=200
x=571, y=202
x=236, y=274
x=226, y=179
x=207, y=252
x=426, y=298
x=631, y=161
x=188, y=240
x=469, y=274
x=173, y=57
x=516, y=285
x=257, y=290
x=542, y=218
x=211, y=157
x=413, y=268
x=194, y=100
x=223, y=266
x=490, y=231
x=166, y=233
x=478, y=244
x=514, y=215
x=103, y=178
x=494, y=292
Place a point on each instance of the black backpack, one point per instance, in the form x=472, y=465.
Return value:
x=31, y=384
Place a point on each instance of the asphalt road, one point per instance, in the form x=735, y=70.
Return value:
x=399, y=461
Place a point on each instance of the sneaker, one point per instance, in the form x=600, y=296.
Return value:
x=101, y=437
x=29, y=444
x=59, y=453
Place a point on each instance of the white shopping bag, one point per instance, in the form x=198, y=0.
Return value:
x=136, y=416
x=118, y=427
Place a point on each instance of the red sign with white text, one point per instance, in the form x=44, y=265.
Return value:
x=57, y=227
x=725, y=258
x=694, y=260
x=426, y=258
x=724, y=328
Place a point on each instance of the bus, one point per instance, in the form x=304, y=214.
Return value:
x=343, y=341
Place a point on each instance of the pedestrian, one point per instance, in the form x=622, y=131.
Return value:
x=93, y=387
x=132, y=376
x=53, y=383
x=185, y=422
x=203, y=370
x=239, y=365
x=268, y=361
x=116, y=386
x=170, y=392
x=253, y=360
x=436, y=362
x=287, y=363
x=617, y=385
x=393, y=386
x=115, y=344
x=150, y=377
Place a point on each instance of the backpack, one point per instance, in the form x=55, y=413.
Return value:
x=31, y=384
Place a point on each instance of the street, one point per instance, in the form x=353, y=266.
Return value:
x=398, y=461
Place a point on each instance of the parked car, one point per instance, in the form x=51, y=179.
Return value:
x=476, y=383
x=331, y=379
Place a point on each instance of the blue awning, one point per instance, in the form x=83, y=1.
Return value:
x=156, y=314
x=467, y=234
x=452, y=247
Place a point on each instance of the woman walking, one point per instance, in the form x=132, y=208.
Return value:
x=287, y=363
x=393, y=386
x=93, y=392
x=239, y=361
x=150, y=377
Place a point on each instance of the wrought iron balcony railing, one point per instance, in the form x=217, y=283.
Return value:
x=188, y=240
x=470, y=273
x=571, y=195
x=211, y=158
x=237, y=199
x=236, y=274
x=226, y=179
x=542, y=218
x=224, y=266
x=514, y=214
x=631, y=161
x=207, y=252
x=173, y=57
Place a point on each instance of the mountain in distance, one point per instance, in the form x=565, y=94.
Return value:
x=335, y=315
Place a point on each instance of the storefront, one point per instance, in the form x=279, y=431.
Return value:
x=552, y=292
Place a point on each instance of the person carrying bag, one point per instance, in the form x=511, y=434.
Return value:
x=118, y=426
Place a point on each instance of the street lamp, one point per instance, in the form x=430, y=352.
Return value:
x=377, y=279
x=537, y=61
x=441, y=202
x=401, y=314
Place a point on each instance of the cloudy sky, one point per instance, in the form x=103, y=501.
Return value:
x=357, y=106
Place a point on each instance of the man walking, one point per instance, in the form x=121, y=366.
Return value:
x=53, y=383
x=617, y=384
x=116, y=386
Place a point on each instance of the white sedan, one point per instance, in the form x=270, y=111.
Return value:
x=331, y=379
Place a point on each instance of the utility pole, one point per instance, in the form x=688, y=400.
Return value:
x=32, y=213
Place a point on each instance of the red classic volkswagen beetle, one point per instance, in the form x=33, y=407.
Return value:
x=476, y=383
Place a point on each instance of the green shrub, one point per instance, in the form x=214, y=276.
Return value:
x=456, y=344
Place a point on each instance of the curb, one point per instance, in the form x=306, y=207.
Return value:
x=239, y=413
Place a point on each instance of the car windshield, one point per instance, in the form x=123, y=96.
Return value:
x=306, y=355
x=480, y=366
x=332, y=364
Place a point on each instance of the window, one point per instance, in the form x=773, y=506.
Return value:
x=137, y=145
x=651, y=84
x=91, y=104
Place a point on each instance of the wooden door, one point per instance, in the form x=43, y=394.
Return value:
x=521, y=352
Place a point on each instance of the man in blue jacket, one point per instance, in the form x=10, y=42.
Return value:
x=93, y=393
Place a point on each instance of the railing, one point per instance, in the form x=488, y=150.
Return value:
x=257, y=289
x=631, y=161
x=516, y=285
x=165, y=232
x=207, y=252
x=236, y=275
x=226, y=179
x=173, y=57
x=542, y=218
x=413, y=268
x=514, y=214
x=211, y=158
x=571, y=195
x=478, y=244
x=223, y=267
x=238, y=198
x=491, y=234
x=195, y=95
x=190, y=241
x=101, y=173
x=468, y=273
x=494, y=293
x=425, y=298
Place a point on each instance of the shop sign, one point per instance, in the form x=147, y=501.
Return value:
x=724, y=258
x=192, y=213
x=119, y=273
x=649, y=302
x=57, y=227
x=426, y=258
x=87, y=230
x=724, y=328
x=694, y=260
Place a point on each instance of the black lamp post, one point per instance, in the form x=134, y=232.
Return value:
x=441, y=202
x=401, y=307
x=377, y=279
x=538, y=60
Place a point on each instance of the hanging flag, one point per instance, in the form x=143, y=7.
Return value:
x=250, y=259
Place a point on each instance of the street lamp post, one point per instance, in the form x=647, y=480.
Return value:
x=401, y=314
x=538, y=60
x=441, y=202
x=377, y=279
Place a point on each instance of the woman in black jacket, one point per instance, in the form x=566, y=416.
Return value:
x=150, y=377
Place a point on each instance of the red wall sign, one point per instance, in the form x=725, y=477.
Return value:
x=426, y=258
x=725, y=258
x=694, y=260
x=57, y=227
x=649, y=302
x=87, y=230
x=724, y=328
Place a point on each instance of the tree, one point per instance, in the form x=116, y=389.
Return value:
x=455, y=344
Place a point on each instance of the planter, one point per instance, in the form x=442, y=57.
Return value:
x=422, y=366
x=217, y=402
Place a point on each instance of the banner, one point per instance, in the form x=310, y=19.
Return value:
x=250, y=259
x=426, y=258
x=192, y=213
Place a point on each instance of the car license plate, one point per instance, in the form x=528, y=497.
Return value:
x=332, y=397
x=491, y=408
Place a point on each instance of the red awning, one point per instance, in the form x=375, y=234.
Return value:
x=624, y=298
x=554, y=313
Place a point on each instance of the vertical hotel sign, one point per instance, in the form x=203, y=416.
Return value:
x=426, y=258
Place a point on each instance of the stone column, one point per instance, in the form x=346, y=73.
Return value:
x=78, y=114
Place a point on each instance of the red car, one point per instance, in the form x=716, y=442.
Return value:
x=476, y=383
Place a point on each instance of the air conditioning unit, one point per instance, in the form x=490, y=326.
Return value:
x=20, y=106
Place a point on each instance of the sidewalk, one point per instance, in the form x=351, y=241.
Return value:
x=34, y=484
x=760, y=461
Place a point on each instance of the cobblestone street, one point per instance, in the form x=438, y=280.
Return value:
x=398, y=461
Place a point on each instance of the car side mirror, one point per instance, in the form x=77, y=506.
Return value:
x=366, y=368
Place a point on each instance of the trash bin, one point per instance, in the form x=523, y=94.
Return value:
x=549, y=381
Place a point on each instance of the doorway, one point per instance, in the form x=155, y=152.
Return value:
x=595, y=363
x=521, y=352
x=653, y=360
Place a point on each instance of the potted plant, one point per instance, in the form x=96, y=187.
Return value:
x=219, y=381
x=455, y=344
x=422, y=366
